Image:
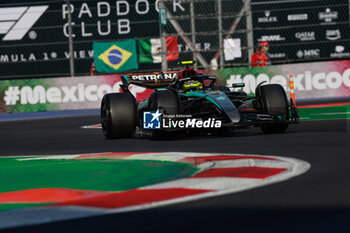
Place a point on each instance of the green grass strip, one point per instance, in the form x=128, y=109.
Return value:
x=88, y=174
x=4, y=207
x=325, y=113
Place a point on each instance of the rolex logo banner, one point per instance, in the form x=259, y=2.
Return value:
x=115, y=56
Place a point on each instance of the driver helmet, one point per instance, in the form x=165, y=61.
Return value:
x=264, y=46
x=192, y=85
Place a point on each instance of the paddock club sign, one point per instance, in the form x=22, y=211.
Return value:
x=90, y=19
x=42, y=31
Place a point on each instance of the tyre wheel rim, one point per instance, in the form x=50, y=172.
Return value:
x=105, y=118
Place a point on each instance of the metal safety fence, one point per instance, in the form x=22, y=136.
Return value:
x=54, y=38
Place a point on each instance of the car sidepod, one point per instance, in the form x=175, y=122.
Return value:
x=221, y=100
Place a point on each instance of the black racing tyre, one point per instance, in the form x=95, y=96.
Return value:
x=118, y=115
x=167, y=102
x=274, y=101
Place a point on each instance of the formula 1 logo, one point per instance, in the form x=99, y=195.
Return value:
x=151, y=120
x=15, y=22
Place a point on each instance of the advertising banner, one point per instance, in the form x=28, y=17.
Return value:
x=273, y=14
x=43, y=42
x=41, y=46
x=311, y=80
x=302, y=30
x=51, y=94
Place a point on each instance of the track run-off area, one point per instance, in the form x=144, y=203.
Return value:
x=120, y=190
x=60, y=177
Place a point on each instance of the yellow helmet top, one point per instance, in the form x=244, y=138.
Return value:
x=192, y=85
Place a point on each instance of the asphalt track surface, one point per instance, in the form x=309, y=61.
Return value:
x=317, y=201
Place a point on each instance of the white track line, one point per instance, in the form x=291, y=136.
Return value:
x=206, y=183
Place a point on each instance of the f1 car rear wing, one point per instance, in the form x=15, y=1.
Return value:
x=151, y=81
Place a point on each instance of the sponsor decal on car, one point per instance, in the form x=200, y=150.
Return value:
x=153, y=77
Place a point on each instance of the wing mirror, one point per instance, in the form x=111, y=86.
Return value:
x=235, y=85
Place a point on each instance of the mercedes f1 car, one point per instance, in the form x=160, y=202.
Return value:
x=193, y=95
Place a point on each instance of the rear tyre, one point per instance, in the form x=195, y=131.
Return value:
x=167, y=102
x=274, y=101
x=118, y=115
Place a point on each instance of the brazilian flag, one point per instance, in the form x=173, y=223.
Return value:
x=116, y=56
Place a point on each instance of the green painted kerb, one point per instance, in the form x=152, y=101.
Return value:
x=88, y=174
x=325, y=113
x=4, y=207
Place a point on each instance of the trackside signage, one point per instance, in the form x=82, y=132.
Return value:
x=312, y=80
x=41, y=29
x=60, y=93
x=19, y=20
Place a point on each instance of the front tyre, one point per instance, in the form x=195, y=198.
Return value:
x=168, y=103
x=274, y=101
x=118, y=115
